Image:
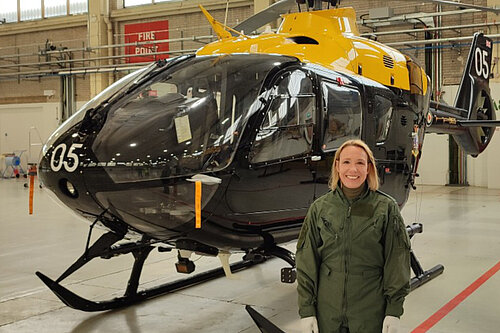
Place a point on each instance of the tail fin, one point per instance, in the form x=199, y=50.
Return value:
x=472, y=119
x=477, y=72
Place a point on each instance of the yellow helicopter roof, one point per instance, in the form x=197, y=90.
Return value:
x=329, y=38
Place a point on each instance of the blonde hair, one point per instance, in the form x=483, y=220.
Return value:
x=372, y=177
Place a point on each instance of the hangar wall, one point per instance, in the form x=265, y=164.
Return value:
x=481, y=171
x=24, y=104
x=23, y=126
x=35, y=100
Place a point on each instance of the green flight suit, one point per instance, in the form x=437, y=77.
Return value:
x=353, y=262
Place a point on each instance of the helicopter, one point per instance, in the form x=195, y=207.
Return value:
x=223, y=151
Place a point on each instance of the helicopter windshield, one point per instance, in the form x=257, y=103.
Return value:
x=185, y=120
x=100, y=98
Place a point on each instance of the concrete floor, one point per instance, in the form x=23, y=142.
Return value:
x=461, y=231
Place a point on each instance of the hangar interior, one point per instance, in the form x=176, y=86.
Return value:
x=57, y=55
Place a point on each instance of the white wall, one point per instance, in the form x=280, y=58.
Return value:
x=481, y=171
x=18, y=121
x=433, y=166
x=484, y=169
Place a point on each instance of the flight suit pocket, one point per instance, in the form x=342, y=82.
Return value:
x=324, y=270
x=328, y=232
x=371, y=272
x=371, y=229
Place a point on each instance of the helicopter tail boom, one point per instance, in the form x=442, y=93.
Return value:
x=471, y=120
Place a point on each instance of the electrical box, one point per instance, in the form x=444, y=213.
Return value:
x=381, y=13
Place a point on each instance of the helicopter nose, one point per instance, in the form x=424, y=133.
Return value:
x=60, y=171
x=58, y=168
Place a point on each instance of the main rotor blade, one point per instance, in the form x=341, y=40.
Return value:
x=464, y=5
x=269, y=14
x=264, y=324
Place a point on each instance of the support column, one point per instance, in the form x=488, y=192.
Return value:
x=492, y=156
x=98, y=36
x=495, y=57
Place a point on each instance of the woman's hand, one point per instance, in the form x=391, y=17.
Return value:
x=390, y=324
x=309, y=325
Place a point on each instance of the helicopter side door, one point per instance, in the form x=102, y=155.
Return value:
x=341, y=120
x=277, y=185
x=286, y=132
x=342, y=116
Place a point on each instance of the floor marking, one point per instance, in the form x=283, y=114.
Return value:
x=441, y=313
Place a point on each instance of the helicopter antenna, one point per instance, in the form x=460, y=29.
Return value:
x=222, y=30
x=334, y=3
x=299, y=2
x=225, y=16
x=317, y=4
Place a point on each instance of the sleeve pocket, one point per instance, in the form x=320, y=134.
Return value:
x=324, y=270
x=301, y=242
x=404, y=239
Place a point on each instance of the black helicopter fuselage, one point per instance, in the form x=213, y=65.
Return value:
x=264, y=128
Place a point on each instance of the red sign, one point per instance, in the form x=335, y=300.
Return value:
x=146, y=32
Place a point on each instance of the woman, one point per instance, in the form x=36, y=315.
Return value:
x=353, y=252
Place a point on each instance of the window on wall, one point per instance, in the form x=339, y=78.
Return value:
x=8, y=11
x=55, y=8
x=129, y=3
x=32, y=9
x=78, y=6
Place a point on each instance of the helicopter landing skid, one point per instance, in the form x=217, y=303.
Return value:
x=79, y=303
x=421, y=277
x=102, y=247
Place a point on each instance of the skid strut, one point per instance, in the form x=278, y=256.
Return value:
x=102, y=247
x=421, y=277
x=288, y=274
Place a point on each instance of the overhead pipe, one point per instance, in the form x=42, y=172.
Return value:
x=452, y=27
x=83, y=60
x=49, y=72
x=465, y=5
x=439, y=40
x=102, y=58
x=77, y=70
x=90, y=49
x=407, y=17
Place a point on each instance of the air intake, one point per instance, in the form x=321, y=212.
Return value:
x=303, y=40
x=388, y=62
x=404, y=121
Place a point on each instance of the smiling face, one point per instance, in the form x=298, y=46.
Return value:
x=352, y=166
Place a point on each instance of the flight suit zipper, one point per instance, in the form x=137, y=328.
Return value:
x=346, y=263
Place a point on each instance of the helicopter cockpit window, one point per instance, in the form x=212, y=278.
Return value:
x=185, y=120
x=287, y=128
x=342, y=114
x=383, y=115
